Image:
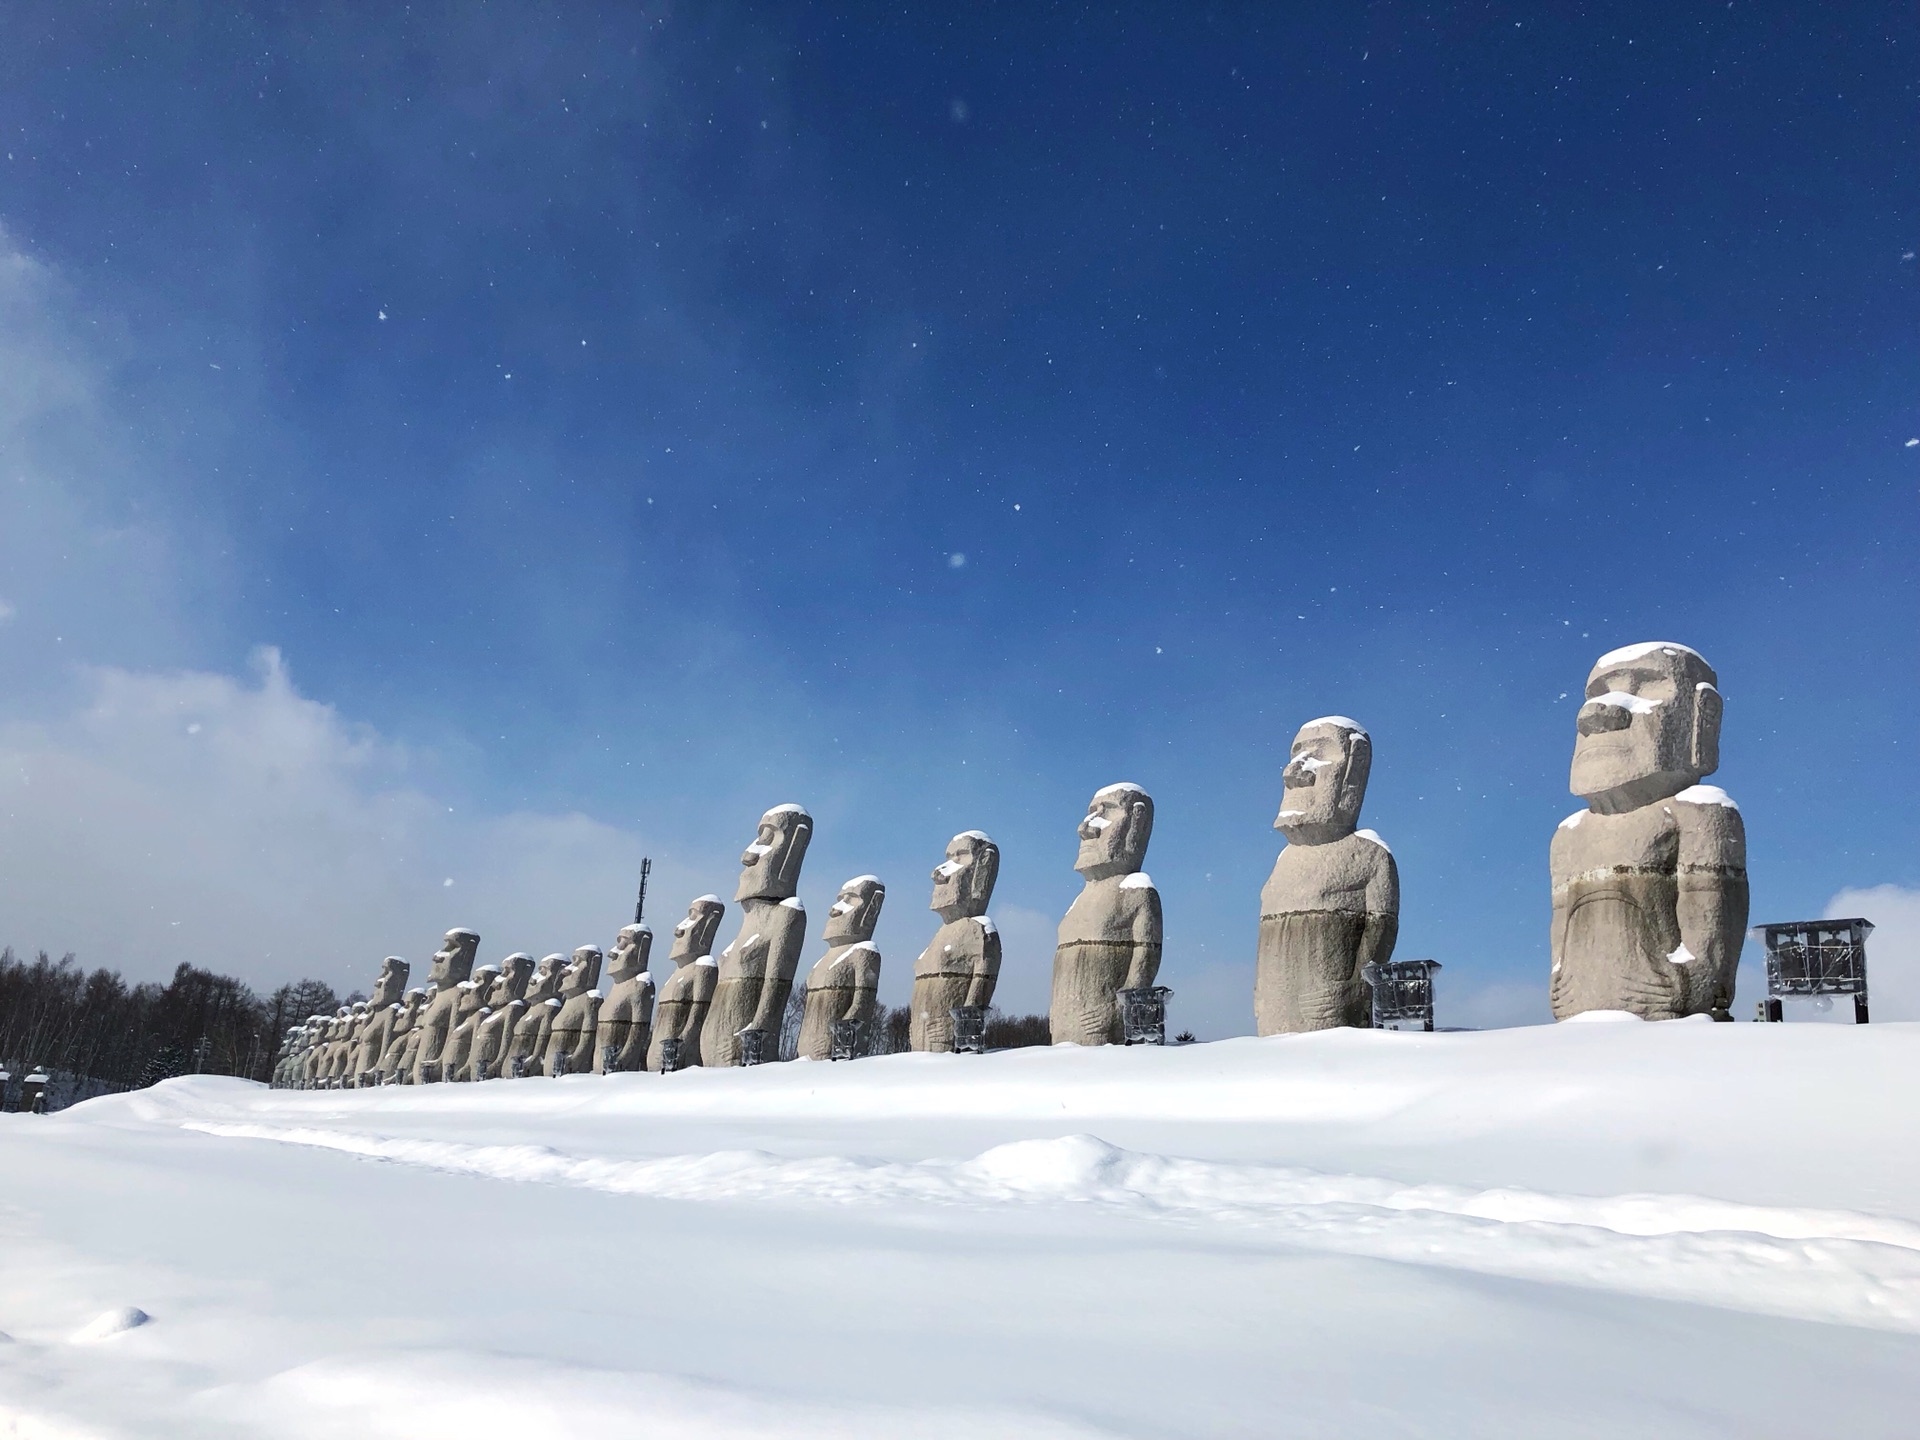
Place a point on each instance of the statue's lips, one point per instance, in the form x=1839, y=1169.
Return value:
x=1595, y=750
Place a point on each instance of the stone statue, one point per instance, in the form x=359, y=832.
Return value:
x=528, y=1052
x=844, y=981
x=1650, y=880
x=962, y=964
x=457, y=1054
x=325, y=1027
x=501, y=1011
x=626, y=1017
x=452, y=964
x=327, y=1034
x=342, y=1044
x=383, y=1008
x=689, y=990
x=757, y=969
x=291, y=1045
x=1331, y=907
x=1110, y=938
x=570, y=1039
x=394, y=1068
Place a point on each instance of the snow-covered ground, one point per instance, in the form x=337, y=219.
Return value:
x=1589, y=1229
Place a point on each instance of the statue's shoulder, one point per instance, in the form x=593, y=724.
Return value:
x=1711, y=829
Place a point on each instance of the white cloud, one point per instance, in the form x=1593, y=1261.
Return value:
x=1893, y=950
x=242, y=826
x=1893, y=960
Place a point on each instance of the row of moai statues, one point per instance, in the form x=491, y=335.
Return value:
x=517, y=1018
x=1649, y=912
x=513, y=1019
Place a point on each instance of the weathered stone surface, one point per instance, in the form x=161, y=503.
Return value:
x=961, y=965
x=394, y=1068
x=688, y=992
x=757, y=968
x=570, y=1039
x=626, y=1016
x=844, y=982
x=1650, y=880
x=526, y=1054
x=1110, y=938
x=456, y=1055
x=383, y=1009
x=500, y=1010
x=452, y=965
x=1331, y=906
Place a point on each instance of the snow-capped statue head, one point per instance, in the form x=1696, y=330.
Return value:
x=856, y=910
x=693, y=936
x=770, y=866
x=630, y=951
x=510, y=982
x=582, y=972
x=1114, y=832
x=393, y=980
x=1649, y=727
x=453, y=961
x=963, y=882
x=1325, y=781
x=547, y=976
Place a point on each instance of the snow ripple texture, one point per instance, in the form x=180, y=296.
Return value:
x=1833, y=1266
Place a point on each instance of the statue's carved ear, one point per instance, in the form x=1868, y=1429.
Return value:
x=796, y=849
x=1141, y=828
x=1707, y=707
x=1359, y=764
x=985, y=872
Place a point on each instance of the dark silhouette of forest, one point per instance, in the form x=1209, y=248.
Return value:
x=94, y=1033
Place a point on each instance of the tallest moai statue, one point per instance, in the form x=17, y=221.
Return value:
x=1650, y=880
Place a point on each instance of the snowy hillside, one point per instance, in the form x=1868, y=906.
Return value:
x=1590, y=1229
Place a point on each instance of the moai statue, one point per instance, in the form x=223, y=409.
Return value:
x=283, y=1068
x=395, y=1068
x=845, y=981
x=499, y=1014
x=570, y=1039
x=452, y=964
x=962, y=964
x=383, y=1009
x=1331, y=907
x=527, y=1053
x=1650, y=880
x=327, y=1030
x=689, y=990
x=293, y=1059
x=302, y=1074
x=346, y=1045
x=410, y=1042
x=626, y=1017
x=457, y=1054
x=1110, y=938
x=757, y=969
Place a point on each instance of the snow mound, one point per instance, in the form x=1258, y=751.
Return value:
x=110, y=1323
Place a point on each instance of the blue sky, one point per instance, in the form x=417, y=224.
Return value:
x=622, y=419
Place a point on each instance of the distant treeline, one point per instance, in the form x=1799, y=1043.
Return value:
x=95, y=1033
x=94, y=1027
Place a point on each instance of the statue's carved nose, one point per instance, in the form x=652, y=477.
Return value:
x=1597, y=717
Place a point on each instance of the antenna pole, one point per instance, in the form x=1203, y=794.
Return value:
x=640, y=903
